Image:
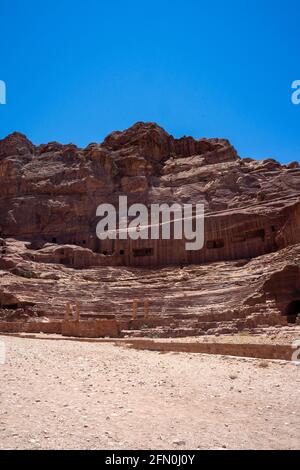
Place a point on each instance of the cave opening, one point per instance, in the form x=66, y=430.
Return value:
x=214, y=244
x=292, y=311
x=11, y=306
x=140, y=252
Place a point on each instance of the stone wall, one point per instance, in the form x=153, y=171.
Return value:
x=263, y=351
x=53, y=327
x=86, y=329
x=91, y=328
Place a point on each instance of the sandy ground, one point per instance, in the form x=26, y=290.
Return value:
x=65, y=395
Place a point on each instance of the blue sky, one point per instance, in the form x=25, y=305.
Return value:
x=77, y=70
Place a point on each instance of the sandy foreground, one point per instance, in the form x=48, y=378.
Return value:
x=76, y=395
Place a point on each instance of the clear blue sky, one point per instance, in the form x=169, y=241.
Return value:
x=77, y=70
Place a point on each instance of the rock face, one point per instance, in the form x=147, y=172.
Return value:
x=48, y=200
x=49, y=194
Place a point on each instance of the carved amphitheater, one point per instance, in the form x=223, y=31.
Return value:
x=56, y=276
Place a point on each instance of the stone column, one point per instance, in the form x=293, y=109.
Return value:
x=77, y=311
x=135, y=304
x=146, y=308
x=68, y=312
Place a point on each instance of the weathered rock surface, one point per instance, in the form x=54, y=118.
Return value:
x=54, y=186
x=49, y=253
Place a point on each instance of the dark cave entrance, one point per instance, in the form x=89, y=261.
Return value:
x=292, y=311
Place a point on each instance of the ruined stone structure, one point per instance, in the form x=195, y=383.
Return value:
x=48, y=200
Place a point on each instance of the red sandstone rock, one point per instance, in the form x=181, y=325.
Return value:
x=48, y=201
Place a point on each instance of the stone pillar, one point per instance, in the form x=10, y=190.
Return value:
x=146, y=308
x=77, y=311
x=135, y=304
x=68, y=312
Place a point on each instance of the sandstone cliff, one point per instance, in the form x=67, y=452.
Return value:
x=48, y=200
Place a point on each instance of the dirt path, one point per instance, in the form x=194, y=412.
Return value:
x=64, y=394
